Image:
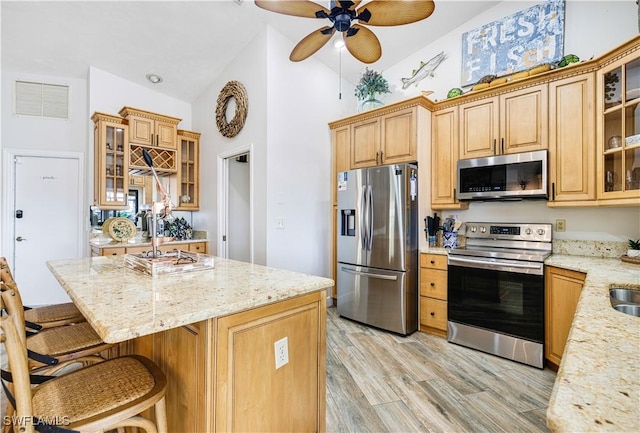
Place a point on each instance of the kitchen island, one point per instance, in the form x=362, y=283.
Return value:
x=213, y=333
x=597, y=388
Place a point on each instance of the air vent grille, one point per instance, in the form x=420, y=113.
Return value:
x=41, y=99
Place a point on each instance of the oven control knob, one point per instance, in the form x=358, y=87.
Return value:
x=483, y=229
x=528, y=231
x=473, y=229
x=540, y=232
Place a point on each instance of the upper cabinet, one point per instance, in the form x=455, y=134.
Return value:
x=111, y=170
x=444, y=156
x=508, y=123
x=387, y=135
x=387, y=139
x=188, y=197
x=151, y=129
x=572, y=154
x=618, y=139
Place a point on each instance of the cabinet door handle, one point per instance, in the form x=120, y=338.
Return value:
x=377, y=157
x=494, y=146
x=502, y=145
x=157, y=139
x=433, y=314
x=433, y=262
x=553, y=191
x=381, y=156
x=432, y=284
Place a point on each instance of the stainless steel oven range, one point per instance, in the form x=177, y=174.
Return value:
x=496, y=290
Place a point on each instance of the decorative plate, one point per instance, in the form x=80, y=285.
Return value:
x=122, y=229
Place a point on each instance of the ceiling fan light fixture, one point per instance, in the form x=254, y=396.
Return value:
x=339, y=43
x=154, y=78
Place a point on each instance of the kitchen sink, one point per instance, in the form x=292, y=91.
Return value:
x=625, y=300
x=625, y=295
x=632, y=309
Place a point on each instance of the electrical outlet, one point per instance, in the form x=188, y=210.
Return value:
x=560, y=225
x=281, y=352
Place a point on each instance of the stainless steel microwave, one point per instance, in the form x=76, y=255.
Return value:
x=513, y=176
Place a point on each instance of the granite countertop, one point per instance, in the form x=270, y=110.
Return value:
x=121, y=303
x=597, y=387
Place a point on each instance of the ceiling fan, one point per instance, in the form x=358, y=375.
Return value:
x=361, y=42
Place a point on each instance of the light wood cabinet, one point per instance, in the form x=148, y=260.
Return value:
x=433, y=294
x=512, y=122
x=221, y=373
x=618, y=136
x=562, y=291
x=150, y=129
x=388, y=139
x=111, y=170
x=194, y=247
x=572, y=140
x=188, y=184
x=444, y=157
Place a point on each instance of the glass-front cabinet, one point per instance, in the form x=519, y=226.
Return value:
x=188, y=174
x=619, y=138
x=111, y=147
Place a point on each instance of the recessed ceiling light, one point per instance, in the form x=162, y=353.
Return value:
x=155, y=79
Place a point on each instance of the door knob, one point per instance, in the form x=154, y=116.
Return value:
x=20, y=239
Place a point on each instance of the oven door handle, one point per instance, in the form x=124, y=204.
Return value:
x=369, y=274
x=456, y=260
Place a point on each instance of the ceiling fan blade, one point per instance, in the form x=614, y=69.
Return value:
x=311, y=43
x=297, y=8
x=363, y=44
x=397, y=12
x=353, y=4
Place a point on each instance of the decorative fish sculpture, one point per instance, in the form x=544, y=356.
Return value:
x=425, y=70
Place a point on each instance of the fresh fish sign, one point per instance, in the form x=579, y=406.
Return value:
x=520, y=41
x=425, y=70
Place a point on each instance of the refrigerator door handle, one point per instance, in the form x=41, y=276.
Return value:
x=363, y=219
x=370, y=217
x=369, y=274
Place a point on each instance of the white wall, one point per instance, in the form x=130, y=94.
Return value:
x=592, y=28
x=249, y=68
x=42, y=134
x=290, y=105
x=302, y=100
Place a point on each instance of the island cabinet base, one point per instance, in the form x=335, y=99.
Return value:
x=221, y=372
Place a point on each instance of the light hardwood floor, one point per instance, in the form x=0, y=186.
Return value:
x=382, y=382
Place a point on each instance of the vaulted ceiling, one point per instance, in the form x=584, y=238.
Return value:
x=188, y=43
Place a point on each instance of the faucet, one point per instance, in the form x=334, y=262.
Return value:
x=157, y=207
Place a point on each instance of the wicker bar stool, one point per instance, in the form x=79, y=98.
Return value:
x=43, y=317
x=104, y=396
x=54, y=345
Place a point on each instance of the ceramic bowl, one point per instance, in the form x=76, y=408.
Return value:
x=615, y=141
x=633, y=253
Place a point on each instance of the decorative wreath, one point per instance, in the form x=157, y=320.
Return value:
x=233, y=89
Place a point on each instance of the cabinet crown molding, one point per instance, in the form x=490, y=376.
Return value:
x=97, y=116
x=126, y=111
x=188, y=134
x=418, y=101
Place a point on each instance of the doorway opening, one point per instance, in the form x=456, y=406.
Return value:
x=235, y=204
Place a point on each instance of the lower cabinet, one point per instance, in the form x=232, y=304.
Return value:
x=433, y=294
x=194, y=247
x=562, y=291
x=221, y=373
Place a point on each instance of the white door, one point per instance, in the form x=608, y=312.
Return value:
x=46, y=223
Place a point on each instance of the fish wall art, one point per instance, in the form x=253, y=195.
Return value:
x=425, y=70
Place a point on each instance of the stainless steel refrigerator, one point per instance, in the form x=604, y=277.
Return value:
x=377, y=243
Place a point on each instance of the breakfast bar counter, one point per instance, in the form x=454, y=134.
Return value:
x=213, y=332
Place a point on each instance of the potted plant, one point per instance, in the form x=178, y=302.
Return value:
x=634, y=248
x=370, y=84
